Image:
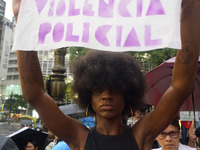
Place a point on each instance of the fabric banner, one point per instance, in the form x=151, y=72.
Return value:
x=115, y=25
x=189, y=115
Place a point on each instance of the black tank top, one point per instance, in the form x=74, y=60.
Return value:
x=123, y=141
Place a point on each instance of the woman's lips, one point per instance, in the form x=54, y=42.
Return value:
x=107, y=107
x=169, y=145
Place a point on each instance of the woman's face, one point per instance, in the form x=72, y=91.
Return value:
x=107, y=105
x=171, y=141
x=30, y=146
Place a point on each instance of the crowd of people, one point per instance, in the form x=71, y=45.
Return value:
x=111, y=84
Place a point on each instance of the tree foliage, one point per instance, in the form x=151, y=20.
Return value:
x=68, y=91
x=155, y=57
x=159, y=56
x=14, y=101
x=76, y=52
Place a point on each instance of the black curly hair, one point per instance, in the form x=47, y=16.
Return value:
x=114, y=71
x=175, y=123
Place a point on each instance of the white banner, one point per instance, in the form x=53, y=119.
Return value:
x=189, y=115
x=118, y=25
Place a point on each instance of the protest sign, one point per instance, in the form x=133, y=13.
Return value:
x=118, y=25
x=189, y=115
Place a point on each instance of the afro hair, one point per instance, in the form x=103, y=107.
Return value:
x=115, y=71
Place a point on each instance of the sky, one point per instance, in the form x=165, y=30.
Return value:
x=8, y=13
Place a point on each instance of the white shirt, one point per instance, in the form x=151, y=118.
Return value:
x=181, y=147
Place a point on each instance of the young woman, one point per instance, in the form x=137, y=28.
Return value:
x=31, y=145
x=109, y=84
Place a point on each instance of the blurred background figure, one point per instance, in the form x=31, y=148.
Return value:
x=61, y=145
x=31, y=145
x=185, y=125
x=132, y=120
x=53, y=142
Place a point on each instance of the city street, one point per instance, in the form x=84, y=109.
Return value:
x=6, y=129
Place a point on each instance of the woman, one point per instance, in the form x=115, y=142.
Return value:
x=170, y=137
x=31, y=145
x=108, y=84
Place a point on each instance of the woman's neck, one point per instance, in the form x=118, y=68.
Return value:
x=109, y=127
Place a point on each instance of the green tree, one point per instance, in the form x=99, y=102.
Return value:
x=14, y=101
x=76, y=52
x=155, y=57
x=159, y=56
x=68, y=91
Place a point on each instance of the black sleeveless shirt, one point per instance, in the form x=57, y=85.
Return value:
x=123, y=141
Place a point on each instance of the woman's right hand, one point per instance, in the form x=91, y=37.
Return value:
x=15, y=6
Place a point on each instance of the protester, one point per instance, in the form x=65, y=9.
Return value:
x=169, y=138
x=7, y=143
x=108, y=84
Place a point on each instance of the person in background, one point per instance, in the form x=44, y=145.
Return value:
x=32, y=145
x=170, y=137
x=132, y=120
x=61, y=145
x=109, y=83
x=53, y=142
x=185, y=125
x=192, y=136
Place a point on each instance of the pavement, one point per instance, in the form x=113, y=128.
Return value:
x=6, y=128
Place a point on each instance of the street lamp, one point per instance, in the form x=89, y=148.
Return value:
x=57, y=86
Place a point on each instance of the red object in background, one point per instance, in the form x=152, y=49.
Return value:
x=158, y=80
x=186, y=124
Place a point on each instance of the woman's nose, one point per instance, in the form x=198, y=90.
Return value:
x=106, y=95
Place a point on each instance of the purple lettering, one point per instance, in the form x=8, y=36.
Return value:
x=123, y=11
x=44, y=29
x=86, y=29
x=72, y=10
x=148, y=41
x=69, y=36
x=106, y=10
x=155, y=8
x=40, y=5
x=119, y=36
x=61, y=8
x=132, y=39
x=51, y=9
x=139, y=8
x=58, y=32
x=100, y=34
x=87, y=9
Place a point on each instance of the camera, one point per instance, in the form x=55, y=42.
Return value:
x=197, y=132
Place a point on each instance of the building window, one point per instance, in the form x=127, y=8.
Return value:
x=11, y=62
x=10, y=69
x=9, y=77
x=16, y=77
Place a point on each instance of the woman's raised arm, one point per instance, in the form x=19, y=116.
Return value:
x=33, y=91
x=183, y=77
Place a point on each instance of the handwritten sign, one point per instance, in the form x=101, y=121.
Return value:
x=189, y=116
x=118, y=25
